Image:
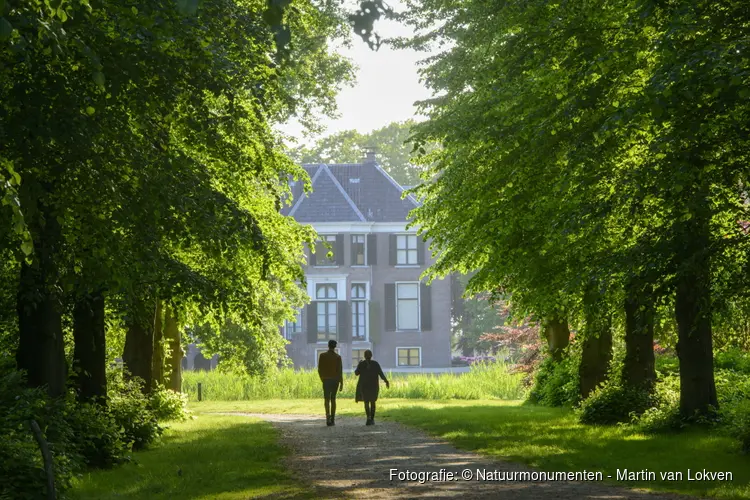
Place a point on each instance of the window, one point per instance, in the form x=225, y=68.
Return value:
x=357, y=356
x=359, y=316
x=318, y=352
x=325, y=294
x=407, y=306
x=408, y=356
x=358, y=249
x=294, y=327
x=321, y=251
x=406, y=249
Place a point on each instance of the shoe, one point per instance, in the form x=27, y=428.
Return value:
x=333, y=420
x=369, y=422
x=329, y=421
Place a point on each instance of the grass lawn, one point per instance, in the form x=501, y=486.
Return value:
x=549, y=439
x=220, y=458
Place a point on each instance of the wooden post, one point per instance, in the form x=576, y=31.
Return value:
x=47, y=457
x=200, y=395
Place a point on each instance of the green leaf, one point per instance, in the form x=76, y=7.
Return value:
x=134, y=10
x=90, y=110
x=5, y=29
x=62, y=15
x=27, y=247
x=99, y=79
x=187, y=7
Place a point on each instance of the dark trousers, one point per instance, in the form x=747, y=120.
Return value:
x=330, y=386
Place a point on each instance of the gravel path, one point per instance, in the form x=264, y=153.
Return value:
x=351, y=460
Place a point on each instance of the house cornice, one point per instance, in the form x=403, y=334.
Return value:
x=362, y=227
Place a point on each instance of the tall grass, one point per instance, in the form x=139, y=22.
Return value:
x=484, y=381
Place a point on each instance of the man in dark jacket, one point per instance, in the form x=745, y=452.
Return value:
x=331, y=374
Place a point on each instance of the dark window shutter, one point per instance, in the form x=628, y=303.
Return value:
x=344, y=327
x=312, y=322
x=338, y=250
x=425, y=306
x=313, y=258
x=420, y=250
x=392, y=251
x=374, y=333
x=372, y=249
x=390, y=307
x=352, y=251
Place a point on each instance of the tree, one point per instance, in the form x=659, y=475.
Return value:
x=174, y=125
x=392, y=144
x=589, y=145
x=474, y=317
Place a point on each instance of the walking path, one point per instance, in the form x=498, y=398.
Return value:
x=351, y=460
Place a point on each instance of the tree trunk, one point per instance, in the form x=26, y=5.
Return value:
x=596, y=353
x=139, y=345
x=638, y=369
x=41, y=347
x=694, y=346
x=174, y=362
x=158, y=348
x=558, y=336
x=89, y=355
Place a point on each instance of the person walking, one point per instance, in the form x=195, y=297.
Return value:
x=368, y=385
x=332, y=375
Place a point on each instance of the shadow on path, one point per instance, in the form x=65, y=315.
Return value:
x=351, y=460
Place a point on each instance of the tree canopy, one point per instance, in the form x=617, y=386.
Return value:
x=139, y=163
x=591, y=154
x=390, y=143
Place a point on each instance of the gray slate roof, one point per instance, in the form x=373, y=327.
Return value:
x=376, y=197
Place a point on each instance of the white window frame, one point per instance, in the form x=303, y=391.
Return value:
x=318, y=352
x=419, y=306
x=292, y=328
x=407, y=249
x=326, y=302
x=365, y=303
x=419, y=349
x=364, y=245
x=325, y=237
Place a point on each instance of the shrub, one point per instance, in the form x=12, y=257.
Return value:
x=130, y=409
x=21, y=466
x=95, y=435
x=737, y=421
x=731, y=387
x=664, y=414
x=612, y=403
x=556, y=384
x=667, y=364
x=733, y=359
x=165, y=404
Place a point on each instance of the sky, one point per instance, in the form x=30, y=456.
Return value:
x=386, y=86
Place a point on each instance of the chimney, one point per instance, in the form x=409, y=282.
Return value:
x=370, y=155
